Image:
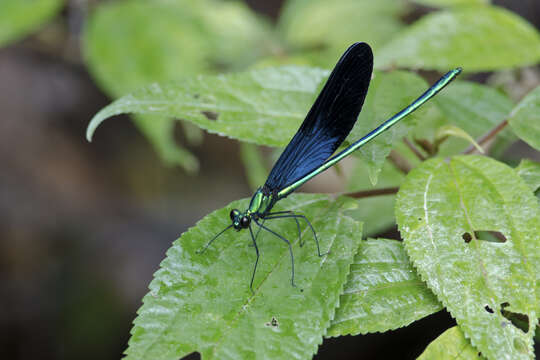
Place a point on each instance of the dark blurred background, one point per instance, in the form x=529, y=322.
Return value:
x=83, y=226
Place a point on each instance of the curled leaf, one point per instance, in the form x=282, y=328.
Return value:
x=452, y=130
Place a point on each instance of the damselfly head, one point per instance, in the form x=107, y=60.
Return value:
x=239, y=221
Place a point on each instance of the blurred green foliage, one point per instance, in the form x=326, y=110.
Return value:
x=19, y=18
x=525, y=119
x=478, y=38
x=128, y=44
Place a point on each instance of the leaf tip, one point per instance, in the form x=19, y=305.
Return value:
x=92, y=126
x=89, y=134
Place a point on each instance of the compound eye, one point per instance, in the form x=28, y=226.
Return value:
x=245, y=221
x=234, y=213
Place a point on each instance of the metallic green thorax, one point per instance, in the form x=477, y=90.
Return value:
x=261, y=202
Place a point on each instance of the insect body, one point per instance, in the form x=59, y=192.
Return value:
x=309, y=152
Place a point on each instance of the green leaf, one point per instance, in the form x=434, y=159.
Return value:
x=266, y=106
x=202, y=302
x=376, y=212
x=19, y=18
x=131, y=43
x=451, y=344
x=345, y=22
x=382, y=293
x=256, y=171
x=529, y=171
x=480, y=38
x=476, y=109
x=128, y=44
x=525, y=119
x=451, y=3
x=439, y=208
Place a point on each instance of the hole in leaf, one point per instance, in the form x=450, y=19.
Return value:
x=488, y=309
x=210, y=115
x=491, y=236
x=484, y=235
x=521, y=321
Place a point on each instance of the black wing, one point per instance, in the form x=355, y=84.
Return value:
x=330, y=119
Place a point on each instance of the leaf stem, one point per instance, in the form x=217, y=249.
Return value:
x=374, y=192
x=414, y=149
x=399, y=162
x=487, y=136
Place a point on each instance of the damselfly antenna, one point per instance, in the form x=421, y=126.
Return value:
x=214, y=238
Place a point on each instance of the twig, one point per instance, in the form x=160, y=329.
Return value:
x=374, y=192
x=399, y=162
x=426, y=145
x=414, y=149
x=487, y=136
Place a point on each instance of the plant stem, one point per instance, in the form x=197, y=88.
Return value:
x=414, y=149
x=426, y=146
x=487, y=136
x=399, y=162
x=374, y=192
